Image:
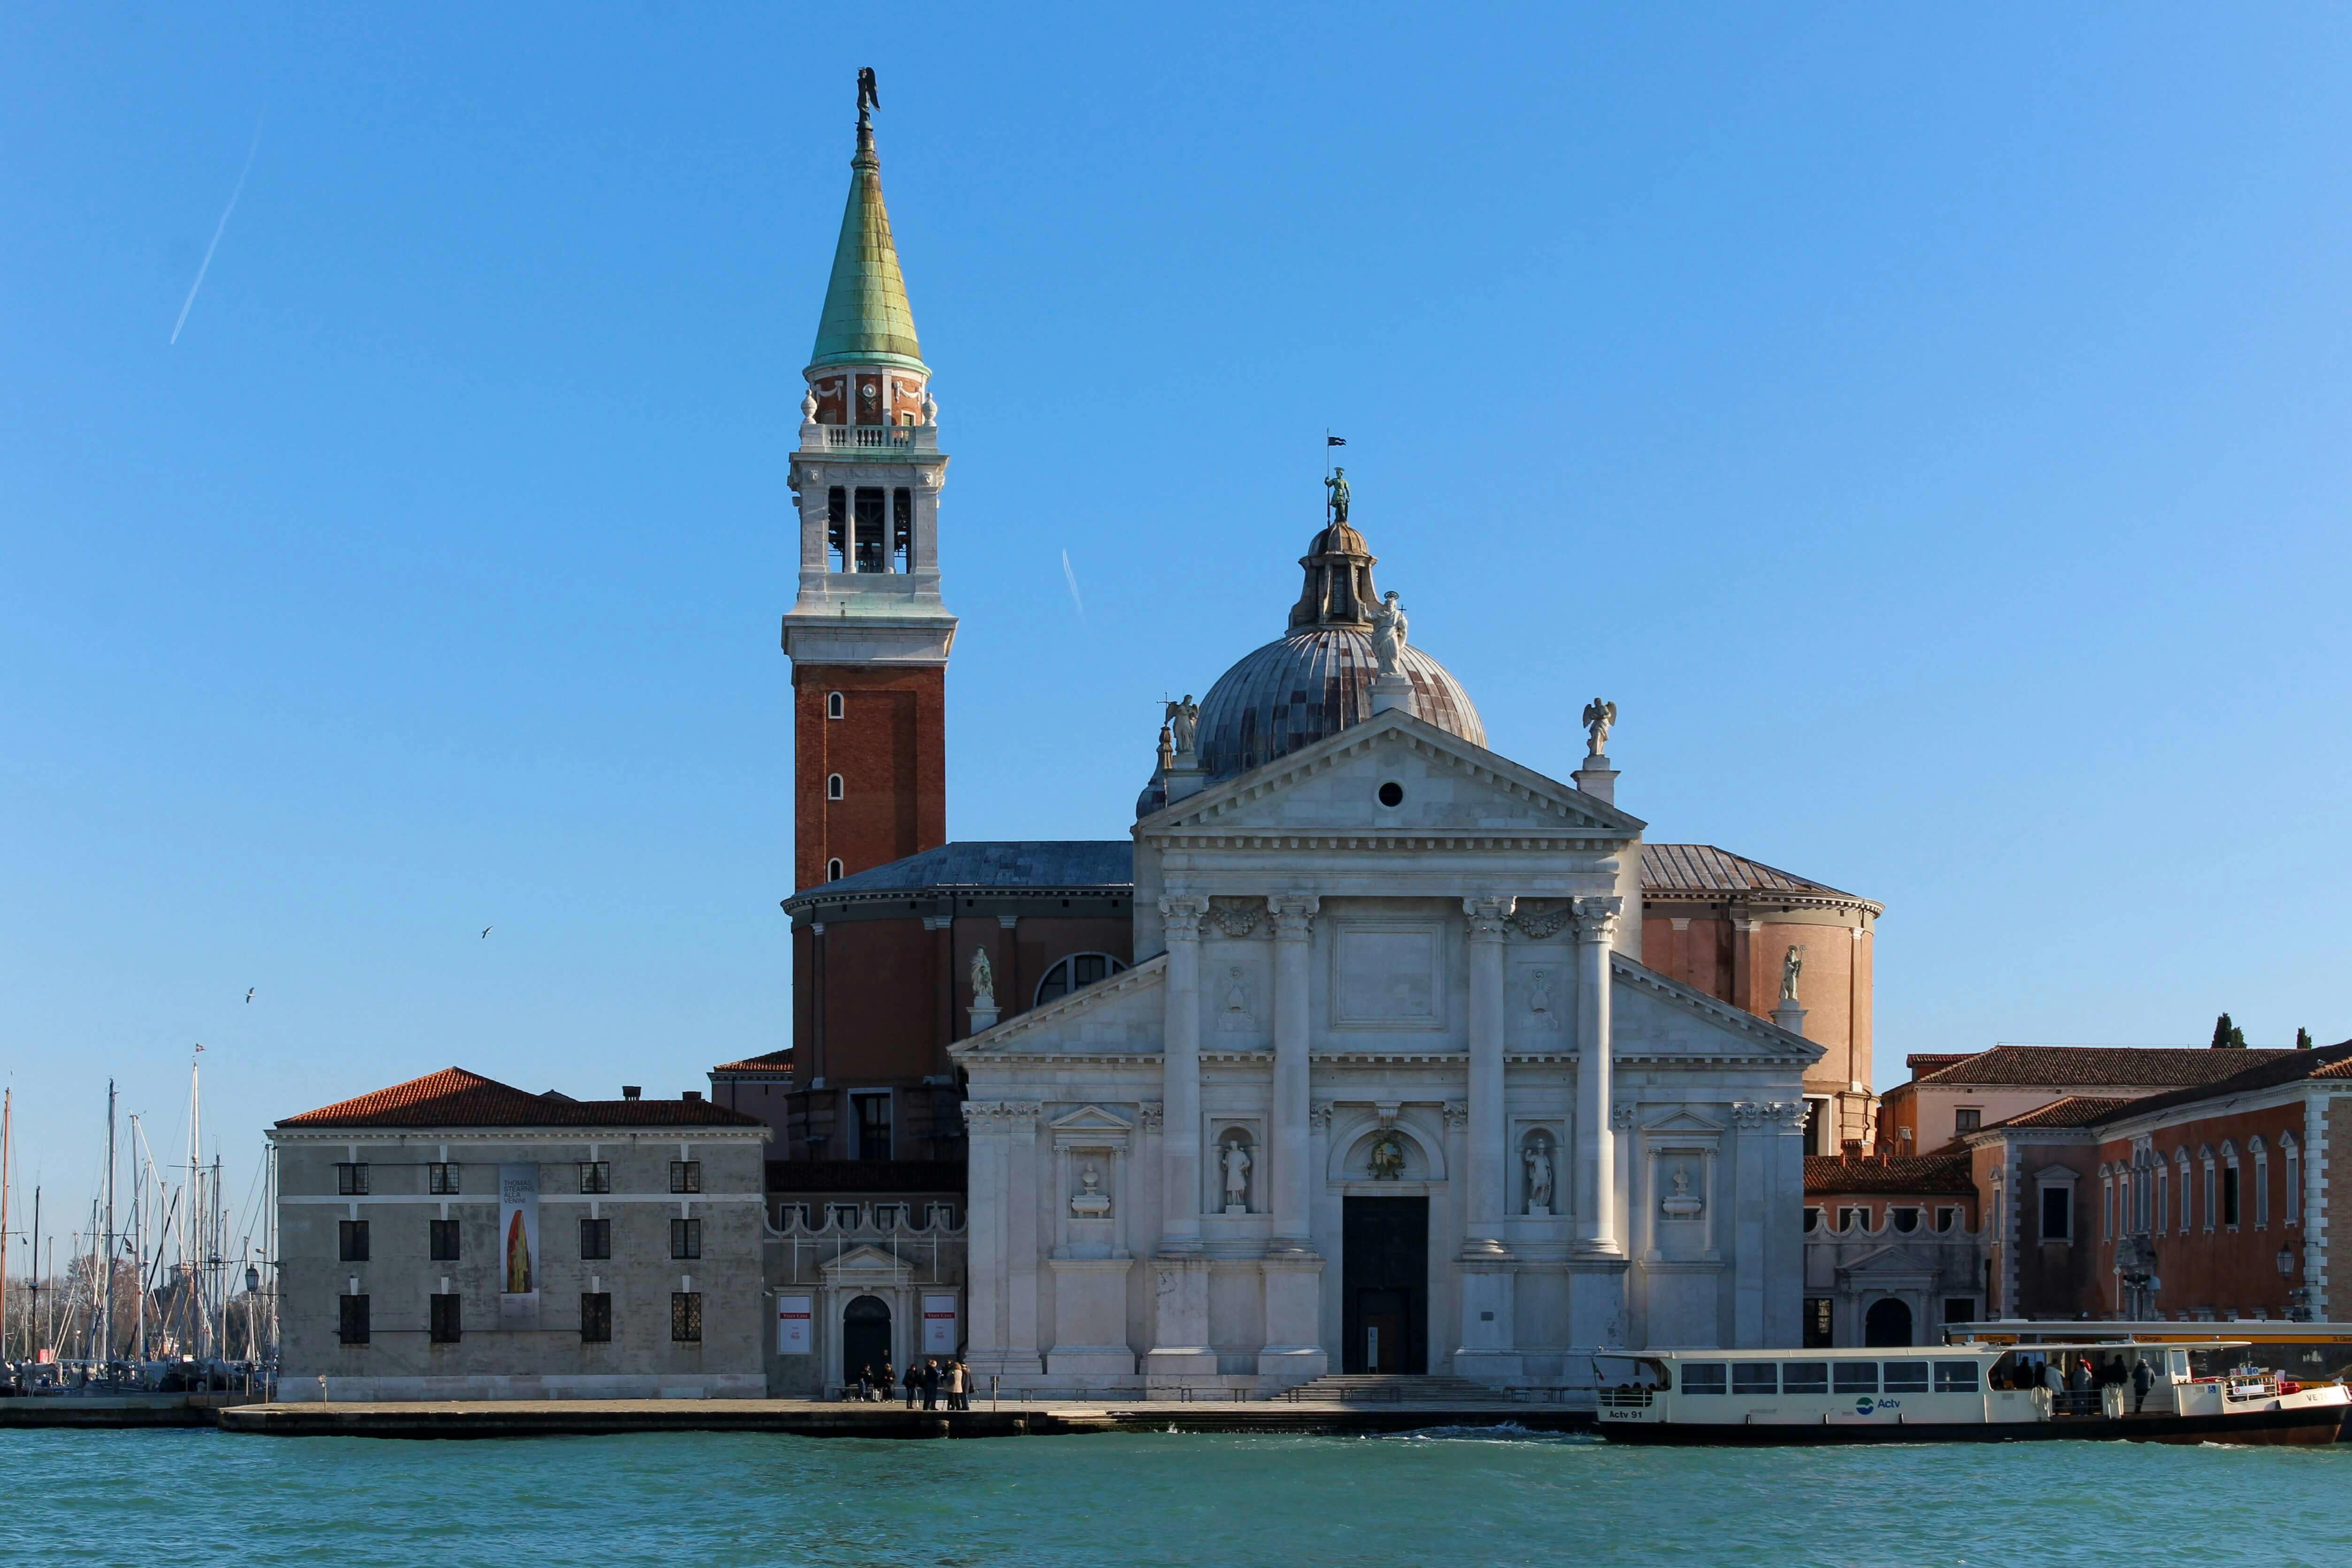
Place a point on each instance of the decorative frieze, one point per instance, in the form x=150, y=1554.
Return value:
x=1000, y=1116
x=1538, y=919
x=1237, y=917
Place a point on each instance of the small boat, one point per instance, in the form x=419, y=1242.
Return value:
x=1970, y=1392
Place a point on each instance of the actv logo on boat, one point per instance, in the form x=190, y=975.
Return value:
x=1866, y=1405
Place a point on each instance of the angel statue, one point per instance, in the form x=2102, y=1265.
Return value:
x=870, y=96
x=1184, y=723
x=1599, y=715
x=1793, y=964
x=1388, y=632
x=983, y=980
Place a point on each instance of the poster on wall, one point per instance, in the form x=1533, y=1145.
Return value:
x=938, y=1325
x=518, y=1243
x=793, y=1316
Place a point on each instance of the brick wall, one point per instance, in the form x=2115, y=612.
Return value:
x=889, y=749
x=2216, y=1268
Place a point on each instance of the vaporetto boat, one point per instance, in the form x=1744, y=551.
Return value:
x=1972, y=1392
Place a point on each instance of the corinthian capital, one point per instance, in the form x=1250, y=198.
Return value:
x=1486, y=918
x=1182, y=912
x=1596, y=919
x=1294, y=914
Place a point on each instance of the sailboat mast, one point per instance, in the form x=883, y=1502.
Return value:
x=8, y=1105
x=106, y=1273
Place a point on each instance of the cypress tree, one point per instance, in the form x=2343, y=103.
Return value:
x=2228, y=1036
x=2302, y=1040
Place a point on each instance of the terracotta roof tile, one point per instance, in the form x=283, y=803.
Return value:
x=1704, y=869
x=455, y=1098
x=2098, y=1066
x=2074, y=1111
x=767, y=1062
x=2275, y=1068
x=1928, y=1174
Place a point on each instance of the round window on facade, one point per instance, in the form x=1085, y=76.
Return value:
x=1392, y=795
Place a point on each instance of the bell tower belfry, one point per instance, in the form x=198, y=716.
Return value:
x=867, y=634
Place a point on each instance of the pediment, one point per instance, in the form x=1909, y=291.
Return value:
x=1091, y=1119
x=1120, y=1017
x=864, y=1260
x=1682, y=1120
x=1448, y=790
x=1893, y=1257
x=1660, y=1019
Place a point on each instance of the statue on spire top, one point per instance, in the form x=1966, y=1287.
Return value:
x=869, y=97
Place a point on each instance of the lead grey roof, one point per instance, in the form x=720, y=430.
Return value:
x=1316, y=681
x=1704, y=869
x=998, y=863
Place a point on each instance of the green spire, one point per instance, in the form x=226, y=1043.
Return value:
x=866, y=320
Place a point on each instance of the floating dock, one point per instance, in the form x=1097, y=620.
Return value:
x=808, y=1418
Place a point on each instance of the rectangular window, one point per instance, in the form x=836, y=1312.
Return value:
x=1904, y=1376
x=445, y=1328
x=2163, y=1199
x=445, y=1240
x=354, y=1323
x=1819, y=1313
x=2187, y=1188
x=2294, y=1185
x=595, y=1175
x=686, y=1176
x=686, y=1316
x=902, y=528
x=351, y=1180
x=1947, y=1217
x=836, y=528
x=2262, y=1189
x=686, y=1238
x=1755, y=1377
x=1968, y=1119
x=873, y=1125
x=596, y=1238
x=2107, y=1216
x=1856, y=1377
x=441, y=1178
x=351, y=1239
x=2208, y=1196
x=1703, y=1377
x=2230, y=1196
x=1813, y=1216
x=1956, y=1377
x=2057, y=1213
x=1804, y=1377
x=595, y=1317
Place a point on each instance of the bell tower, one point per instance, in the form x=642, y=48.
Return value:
x=867, y=635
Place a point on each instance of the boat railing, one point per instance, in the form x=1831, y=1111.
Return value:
x=1625, y=1398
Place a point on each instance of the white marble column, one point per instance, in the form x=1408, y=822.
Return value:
x=1596, y=1215
x=1294, y=925
x=1483, y=1230
x=1179, y=1144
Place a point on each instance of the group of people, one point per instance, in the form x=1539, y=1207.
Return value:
x=941, y=1386
x=2075, y=1374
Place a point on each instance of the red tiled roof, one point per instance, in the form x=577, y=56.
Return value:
x=1927, y=1062
x=766, y=1062
x=1938, y=1174
x=455, y=1098
x=2074, y=1111
x=2120, y=1066
x=2268, y=1070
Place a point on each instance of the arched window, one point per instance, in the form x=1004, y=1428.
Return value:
x=832, y=786
x=833, y=870
x=832, y=704
x=1079, y=970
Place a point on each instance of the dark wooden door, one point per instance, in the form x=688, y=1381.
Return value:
x=1384, y=1284
x=865, y=1337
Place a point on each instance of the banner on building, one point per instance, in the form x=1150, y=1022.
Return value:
x=794, y=1314
x=939, y=1336
x=518, y=1242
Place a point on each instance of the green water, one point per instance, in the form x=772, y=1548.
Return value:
x=1469, y=1498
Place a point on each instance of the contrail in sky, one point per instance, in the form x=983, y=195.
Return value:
x=218, y=229
x=1072, y=576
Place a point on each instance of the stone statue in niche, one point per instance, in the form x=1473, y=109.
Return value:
x=1538, y=1160
x=1388, y=626
x=1235, y=1015
x=1091, y=1201
x=983, y=980
x=1235, y=1163
x=1681, y=1204
x=1793, y=966
x=1540, y=999
x=1184, y=724
x=1386, y=1158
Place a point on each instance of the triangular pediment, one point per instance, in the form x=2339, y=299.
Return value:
x=864, y=1260
x=1091, y=1119
x=1652, y=1018
x=1446, y=789
x=1119, y=1016
x=1682, y=1120
x=1892, y=1258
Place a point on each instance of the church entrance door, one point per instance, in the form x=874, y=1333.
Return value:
x=1384, y=1284
x=1887, y=1323
x=865, y=1337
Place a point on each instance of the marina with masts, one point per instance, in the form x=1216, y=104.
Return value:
x=166, y=1290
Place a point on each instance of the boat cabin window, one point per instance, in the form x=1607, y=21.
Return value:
x=1804, y=1377
x=1703, y=1377
x=1956, y=1377
x=1755, y=1377
x=1856, y=1377
x=1905, y=1376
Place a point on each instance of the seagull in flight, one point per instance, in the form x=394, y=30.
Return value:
x=486, y=931
x=249, y=993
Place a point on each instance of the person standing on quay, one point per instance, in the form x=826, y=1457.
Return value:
x=931, y=1384
x=955, y=1375
x=914, y=1381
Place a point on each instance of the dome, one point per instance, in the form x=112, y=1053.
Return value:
x=1315, y=682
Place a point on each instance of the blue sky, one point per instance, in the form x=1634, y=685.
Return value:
x=1927, y=426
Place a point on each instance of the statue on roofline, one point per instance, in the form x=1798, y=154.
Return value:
x=1389, y=626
